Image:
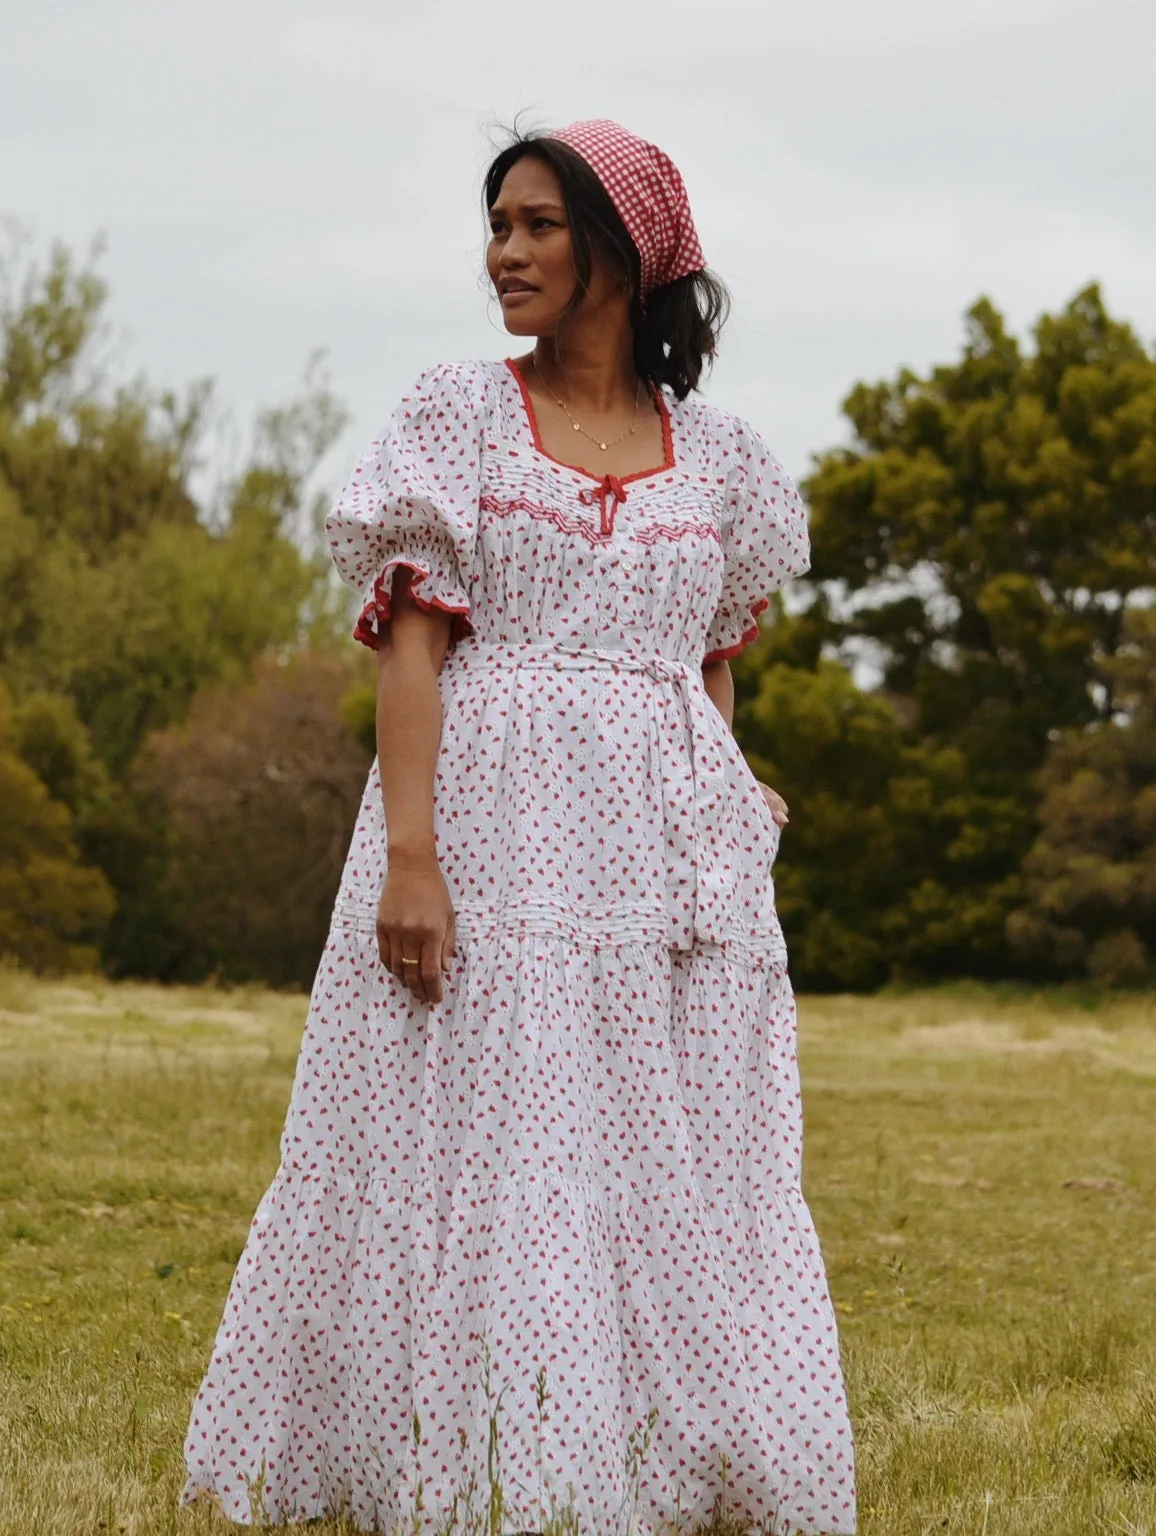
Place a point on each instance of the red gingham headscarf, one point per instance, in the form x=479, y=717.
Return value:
x=646, y=189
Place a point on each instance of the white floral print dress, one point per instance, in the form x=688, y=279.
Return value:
x=586, y=1159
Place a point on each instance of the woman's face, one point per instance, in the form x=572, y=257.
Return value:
x=529, y=258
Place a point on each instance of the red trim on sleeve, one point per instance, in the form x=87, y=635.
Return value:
x=725, y=653
x=732, y=650
x=381, y=606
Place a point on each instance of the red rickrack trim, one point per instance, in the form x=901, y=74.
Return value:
x=561, y=520
x=645, y=534
x=381, y=606
x=650, y=533
x=727, y=653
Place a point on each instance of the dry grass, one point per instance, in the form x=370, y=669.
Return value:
x=980, y=1166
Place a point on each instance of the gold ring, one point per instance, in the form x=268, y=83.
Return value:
x=405, y=960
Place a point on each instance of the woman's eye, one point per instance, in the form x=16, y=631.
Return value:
x=544, y=223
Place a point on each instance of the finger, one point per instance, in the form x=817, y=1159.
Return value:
x=449, y=945
x=386, y=950
x=401, y=951
x=776, y=804
x=413, y=984
x=431, y=970
x=411, y=970
x=413, y=980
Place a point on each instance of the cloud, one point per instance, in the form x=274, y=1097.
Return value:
x=276, y=177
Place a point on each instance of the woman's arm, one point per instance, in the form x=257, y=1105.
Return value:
x=720, y=687
x=415, y=917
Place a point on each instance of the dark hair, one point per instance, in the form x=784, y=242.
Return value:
x=677, y=329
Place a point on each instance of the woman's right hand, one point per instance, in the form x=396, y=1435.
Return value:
x=415, y=921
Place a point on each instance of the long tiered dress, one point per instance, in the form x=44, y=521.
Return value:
x=585, y=1160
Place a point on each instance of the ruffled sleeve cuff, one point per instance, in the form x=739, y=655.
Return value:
x=435, y=586
x=733, y=628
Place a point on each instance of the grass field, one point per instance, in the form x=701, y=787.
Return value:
x=981, y=1167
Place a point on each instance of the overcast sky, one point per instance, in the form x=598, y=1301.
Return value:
x=275, y=177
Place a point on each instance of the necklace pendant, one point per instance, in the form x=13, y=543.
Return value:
x=577, y=428
x=602, y=446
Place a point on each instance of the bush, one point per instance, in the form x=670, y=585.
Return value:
x=52, y=909
x=260, y=791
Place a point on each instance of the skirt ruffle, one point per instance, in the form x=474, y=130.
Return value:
x=580, y=1170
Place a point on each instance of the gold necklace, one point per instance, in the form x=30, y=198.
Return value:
x=577, y=425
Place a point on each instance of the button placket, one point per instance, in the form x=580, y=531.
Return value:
x=628, y=591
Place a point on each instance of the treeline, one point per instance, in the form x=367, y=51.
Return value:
x=959, y=702
x=986, y=548
x=176, y=777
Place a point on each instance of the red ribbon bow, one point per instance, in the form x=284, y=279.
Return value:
x=609, y=489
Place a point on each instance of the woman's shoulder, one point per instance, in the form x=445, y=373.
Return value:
x=722, y=436
x=470, y=382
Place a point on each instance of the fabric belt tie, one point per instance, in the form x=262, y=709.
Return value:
x=696, y=801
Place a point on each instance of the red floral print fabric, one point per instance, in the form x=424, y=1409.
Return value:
x=586, y=1158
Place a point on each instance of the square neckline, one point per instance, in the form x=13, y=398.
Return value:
x=668, y=459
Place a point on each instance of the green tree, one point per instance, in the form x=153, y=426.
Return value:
x=978, y=543
x=884, y=829
x=52, y=909
x=1092, y=871
x=123, y=594
x=119, y=590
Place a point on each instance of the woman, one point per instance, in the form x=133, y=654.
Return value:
x=545, y=1124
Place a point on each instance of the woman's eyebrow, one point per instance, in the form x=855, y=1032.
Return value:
x=498, y=208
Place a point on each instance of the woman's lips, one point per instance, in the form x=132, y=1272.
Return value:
x=515, y=296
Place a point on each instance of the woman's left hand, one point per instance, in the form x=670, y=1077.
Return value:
x=776, y=804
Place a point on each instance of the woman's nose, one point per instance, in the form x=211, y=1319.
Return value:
x=514, y=252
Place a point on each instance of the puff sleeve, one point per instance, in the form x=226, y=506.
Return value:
x=764, y=539
x=413, y=501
